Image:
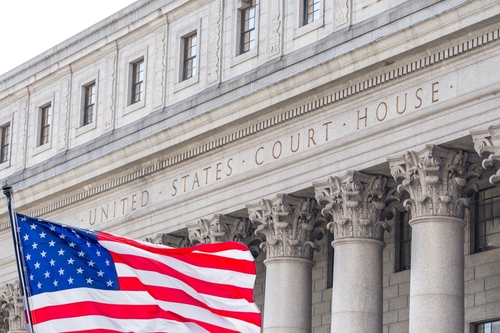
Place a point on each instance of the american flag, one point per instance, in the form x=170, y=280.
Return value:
x=89, y=281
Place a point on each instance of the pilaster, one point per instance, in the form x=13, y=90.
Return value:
x=487, y=145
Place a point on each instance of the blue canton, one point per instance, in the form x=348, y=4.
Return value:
x=58, y=257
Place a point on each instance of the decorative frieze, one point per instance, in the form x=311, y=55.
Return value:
x=289, y=224
x=159, y=67
x=487, y=144
x=438, y=180
x=109, y=110
x=62, y=133
x=214, y=50
x=169, y=240
x=22, y=125
x=11, y=301
x=356, y=203
x=275, y=27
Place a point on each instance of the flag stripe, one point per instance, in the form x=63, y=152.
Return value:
x=156, y=279
x=216, y=289
x=235, y=259
x=180, y=296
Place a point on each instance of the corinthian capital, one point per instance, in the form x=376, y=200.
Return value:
x=169, y=240
x=356, y=203
x=223, y=228
x=487, y=144
x=289, y=224
x=11, y=300
x=439, y=181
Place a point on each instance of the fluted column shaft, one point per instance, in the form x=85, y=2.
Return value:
x=356, y=202
x=439, y=182
x=290, y=228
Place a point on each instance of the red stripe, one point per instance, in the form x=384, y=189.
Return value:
x=201, y=286
x=197, y=259
x=100, y=331
x=113, y=311
x=180, y=296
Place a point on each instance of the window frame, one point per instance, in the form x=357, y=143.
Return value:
x=302, y=28
x=306, y=14
x=477, y=223
x=250, y=7
x=5, y=146
x=476, y=326
x=187, y=56
x=402, y=230
x=44, y=124
x=138, y=74
x=85, y=121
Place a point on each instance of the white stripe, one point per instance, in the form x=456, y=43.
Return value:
x=161, y=280
x=129, y=325
x=234, y=254
x=131, y=298
x=214, y=275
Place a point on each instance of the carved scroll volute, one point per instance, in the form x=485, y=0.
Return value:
x=438, y=180
x=169, y=240
x=355, y=203
x=289, y=224
x=11, y=301
x=487, y=145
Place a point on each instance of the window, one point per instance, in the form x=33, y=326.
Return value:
x=486, y=226
x=189, y=66
x=88, y=104
x=491, y=327
x=4, y=152
x=247, y=38
x=311, y=11
x=137, y=94
x=403, y=242
x=45, y=114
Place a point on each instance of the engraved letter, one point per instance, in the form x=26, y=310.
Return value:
x=385, y=112
x=359, y=118
x=310, y=137
x=326, y=129
x=280, y=150
x=419, y=98
x=218, y=171
x=230, y=168
x=145, y=198
x=397, y=104
x=434, y=91
x=256, y=161
x=175, y=188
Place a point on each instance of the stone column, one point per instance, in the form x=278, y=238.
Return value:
x=487, y=144
x=290, y=227
x=11, y=300
x=356, y=203
x=439, y=182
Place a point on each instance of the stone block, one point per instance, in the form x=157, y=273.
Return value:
x=487, y=269
x=404, y=314
x=469, y=274
x=399, y=327
x=391, y=292
x=489, y=296
x=404, y=289
x=399, y=277
x=473, y=286
x=492, y=282
x=398, y=303
x=390, y=317
x=469, y=300
x=322, y=307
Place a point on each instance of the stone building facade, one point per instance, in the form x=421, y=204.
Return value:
x=354, y=146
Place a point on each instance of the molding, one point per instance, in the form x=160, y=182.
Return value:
x=313, y=105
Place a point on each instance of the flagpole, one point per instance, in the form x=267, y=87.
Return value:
x=7, y=190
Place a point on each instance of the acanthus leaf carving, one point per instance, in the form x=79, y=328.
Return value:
x=290, y=225
x=487, y=145
x=439, y=181
x=356, y=204
x=11, y=301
